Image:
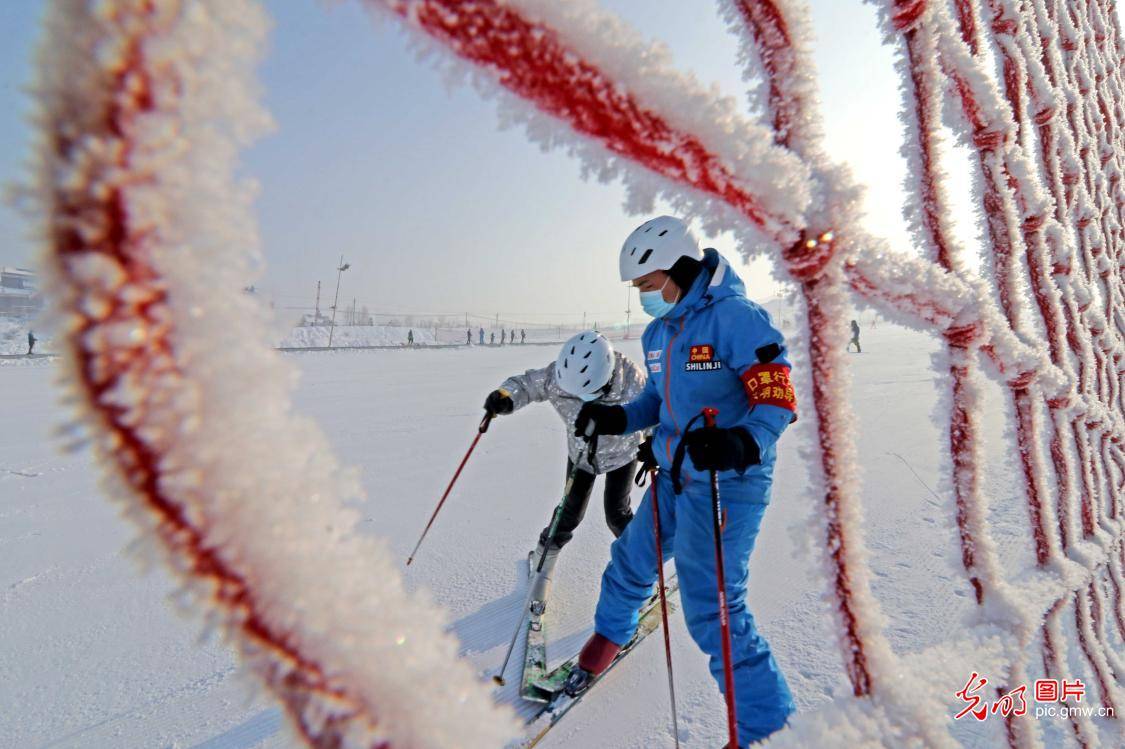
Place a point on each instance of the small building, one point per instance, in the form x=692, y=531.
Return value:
x=19, y=292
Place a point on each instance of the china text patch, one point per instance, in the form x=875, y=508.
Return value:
x=701, y=358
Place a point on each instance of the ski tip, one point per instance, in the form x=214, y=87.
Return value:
x=499, y=680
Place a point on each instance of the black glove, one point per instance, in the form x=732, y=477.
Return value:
x=715, y=449
x=647, y=460
x=645, y=456
x=606, y=420
x=499, y=402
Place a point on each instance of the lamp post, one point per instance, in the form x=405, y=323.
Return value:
x=628, y=309
x=340, y=272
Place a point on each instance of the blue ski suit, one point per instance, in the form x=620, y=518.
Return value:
x=715, y=348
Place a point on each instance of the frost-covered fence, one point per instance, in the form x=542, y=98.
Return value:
x=144, y=103
x=1034, y=89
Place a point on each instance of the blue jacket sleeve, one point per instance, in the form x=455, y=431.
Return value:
x=757, y=352
x=644, y=410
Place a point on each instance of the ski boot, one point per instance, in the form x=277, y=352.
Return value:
x=541, y=584
x=596, y=656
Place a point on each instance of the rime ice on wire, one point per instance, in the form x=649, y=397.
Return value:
x=143, y=107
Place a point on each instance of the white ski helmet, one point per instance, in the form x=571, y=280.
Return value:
x=656, y=245
x=585, y=364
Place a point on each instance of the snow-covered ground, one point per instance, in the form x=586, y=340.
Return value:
x=94, y=654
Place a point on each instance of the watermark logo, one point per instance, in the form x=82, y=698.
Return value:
x=1012, y=703
x=1052, y=698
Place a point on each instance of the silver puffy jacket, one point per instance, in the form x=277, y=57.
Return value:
x=614, y=451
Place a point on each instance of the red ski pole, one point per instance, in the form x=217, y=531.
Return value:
x=664, y=605
x=480, y=430
x=709, y=415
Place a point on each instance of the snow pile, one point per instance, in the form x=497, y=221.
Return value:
x=344, y=336
x=143, y=106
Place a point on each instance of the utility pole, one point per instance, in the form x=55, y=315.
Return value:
x=316, y=319
x=353, y=310
x=339, y=272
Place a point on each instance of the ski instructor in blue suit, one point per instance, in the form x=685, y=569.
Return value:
x=707, y=346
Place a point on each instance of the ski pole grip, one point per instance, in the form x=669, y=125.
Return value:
x=709, y=415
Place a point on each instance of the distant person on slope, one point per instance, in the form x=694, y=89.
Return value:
x=855, y=338
x=502, y=334
x=707, y=346
x=469, y=337
x=31, y=339
x=492, y=338
x=587, y=370
x=523, y=336
x=482, y=336
x=410, y=337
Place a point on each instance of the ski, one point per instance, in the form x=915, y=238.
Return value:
x=560, y=703
x=535, y=654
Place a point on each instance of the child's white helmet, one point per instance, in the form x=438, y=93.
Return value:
x=585, y=365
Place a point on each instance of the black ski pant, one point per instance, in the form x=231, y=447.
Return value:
x=618, y=513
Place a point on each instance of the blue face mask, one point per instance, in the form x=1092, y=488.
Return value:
x=654, y=304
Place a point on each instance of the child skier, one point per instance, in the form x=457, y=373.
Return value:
x=587, y=370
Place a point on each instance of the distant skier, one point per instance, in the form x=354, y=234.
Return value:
x=492, y=338
x=587, y=370
x=469, y=337
x=707, y=346
x=410, y=337
x=523, y=336
x=512, y=338
x=502, y=334
x=482, y=336
x=855, y=338
x=31, y=339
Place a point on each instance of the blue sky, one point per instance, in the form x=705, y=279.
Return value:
x=436, y=209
